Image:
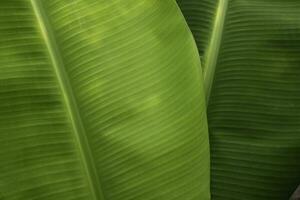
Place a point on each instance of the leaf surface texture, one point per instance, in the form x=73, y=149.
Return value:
x=100, y=100
x=254, y=104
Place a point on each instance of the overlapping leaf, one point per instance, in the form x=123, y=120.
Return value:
x=254, y=104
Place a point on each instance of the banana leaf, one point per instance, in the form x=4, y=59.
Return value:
x=106, y=100
x=252, y=80
x=100, y=100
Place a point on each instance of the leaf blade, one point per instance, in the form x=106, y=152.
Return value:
x=253, y=110
x=147, y=139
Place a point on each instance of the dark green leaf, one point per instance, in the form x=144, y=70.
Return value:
x=254, y=104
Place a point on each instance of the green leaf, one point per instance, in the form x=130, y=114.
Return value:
x=254, y=104
x=206, y=20
x=200, y=16
x=100, y=100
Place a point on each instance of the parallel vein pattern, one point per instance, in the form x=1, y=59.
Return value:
x=200, y=16
x=133, y=100
x=38, y=157
x=254, y=111
x=70, y=102
x=134, y=74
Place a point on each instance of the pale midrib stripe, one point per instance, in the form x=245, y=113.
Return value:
x=70, y=101
x=214, y=47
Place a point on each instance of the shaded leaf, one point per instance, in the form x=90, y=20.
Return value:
x=254, y=104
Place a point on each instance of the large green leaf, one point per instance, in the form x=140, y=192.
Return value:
x=100, y=100
x=254, y=103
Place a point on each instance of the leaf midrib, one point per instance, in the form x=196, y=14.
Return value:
x=70, y=101
x=211, y=56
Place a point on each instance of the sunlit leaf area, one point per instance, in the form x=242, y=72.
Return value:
x=149, y=99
